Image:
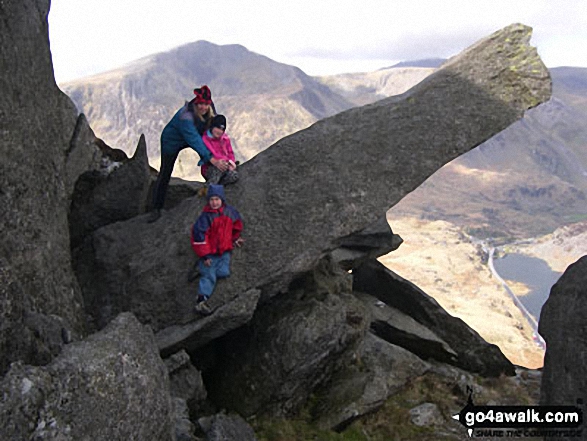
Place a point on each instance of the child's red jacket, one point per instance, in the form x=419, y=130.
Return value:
x=216, y=230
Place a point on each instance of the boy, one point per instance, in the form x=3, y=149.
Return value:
x=218, y=143
x=214, y=235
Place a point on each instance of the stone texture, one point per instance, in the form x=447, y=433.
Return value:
x=292, y=345
x=195, y=334
x=473, y=353
x=35, y=267
x=223, y=427
x=186, y=381
x=426, y=414
x=184, y=428
x=83, y=154
x=110, y=194
x=564, y=327
x=111, y=386
x=371, y=242
x=311, y=188
x=376, y=371
x=399, y=329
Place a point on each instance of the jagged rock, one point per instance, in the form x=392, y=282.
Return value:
x=185, y=380
x=111, y=386
x=369, y=243
x=377, y=371
x=223, y=427
x=399, y=329
x=184, y=428
x=473, y=353
x=329, y=181
x=83, y=154
x=291, y=345
x=110, y=194
x=195, y=334
x=36, y=125
x=564, y=327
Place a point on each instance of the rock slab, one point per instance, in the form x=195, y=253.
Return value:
x=37, y=122
x=563, y=325
x=111, y=386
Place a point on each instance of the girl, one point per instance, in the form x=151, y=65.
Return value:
x=218, y=143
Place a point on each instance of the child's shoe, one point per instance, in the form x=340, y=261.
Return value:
x=203, y=309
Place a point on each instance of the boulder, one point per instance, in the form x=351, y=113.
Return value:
x=184, y=427
x=222, y=427
x=472, y=352
x=115, y=192
x=186, y=381
x=564, y=327
x=37, y=122
x=377, y=370
x=333, y=179
x=83, y=155
x=111, y=386
x=374, y=241
x=399, y=329
x=292, y=345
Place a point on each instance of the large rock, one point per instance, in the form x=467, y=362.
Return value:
x=110, y=194
x=377, y=370
x=472, y=352
x=112, y=386
x=333, y=179
x=399, y=329
x=371, y=242
x=563, y=325
x=84, y=153
x=292, y=345
x=37, y=122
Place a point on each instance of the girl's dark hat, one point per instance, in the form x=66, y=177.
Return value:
x=219, y=121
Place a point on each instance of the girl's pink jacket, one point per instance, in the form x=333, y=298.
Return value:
x=220, y=148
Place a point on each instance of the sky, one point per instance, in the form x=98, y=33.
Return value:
x=321, y=37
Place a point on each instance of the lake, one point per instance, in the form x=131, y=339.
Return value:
x=532, y=272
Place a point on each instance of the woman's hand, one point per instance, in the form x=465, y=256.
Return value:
x=220, y=164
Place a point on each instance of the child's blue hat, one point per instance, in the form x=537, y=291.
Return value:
x=215, y=190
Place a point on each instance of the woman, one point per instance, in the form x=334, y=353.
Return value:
x=184, y=130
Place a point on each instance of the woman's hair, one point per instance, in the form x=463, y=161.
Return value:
x=206, y=117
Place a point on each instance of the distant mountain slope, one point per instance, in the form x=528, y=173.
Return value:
x=367, y=87
x=262, y=99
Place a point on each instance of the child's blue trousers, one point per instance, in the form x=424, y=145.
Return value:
x=219, y=269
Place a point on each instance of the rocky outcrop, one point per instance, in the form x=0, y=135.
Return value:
x=83, y=155
x=290, y=320
x=314, y=324
x=37, y=122
x=564, y=327
x=472, y=352
x=310, y=189
x=115, y=192
x=111, y=386
x=376, y=371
